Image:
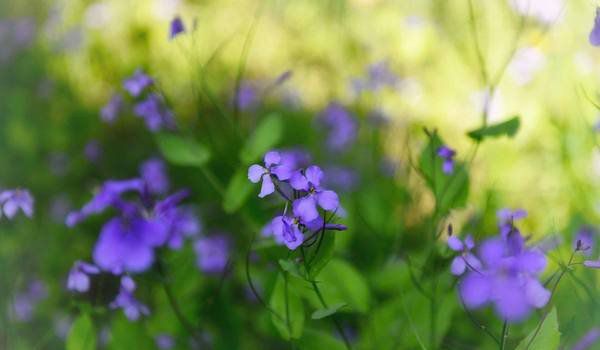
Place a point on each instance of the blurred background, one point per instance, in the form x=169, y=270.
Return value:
x=446, y=63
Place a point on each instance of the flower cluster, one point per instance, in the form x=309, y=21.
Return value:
x=504, y=272
x=150, y=106
x=128, y=241
x=302, y=189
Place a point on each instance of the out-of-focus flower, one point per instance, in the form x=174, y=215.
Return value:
x=246, y=97
x=13, y=200
x=176, y=27
x=594, y=37
x=545, y=11
x=506, y=218
x=164, y=341
x=93, y=151
x=584, y=240
x=156, y=115
x=589, y=339
x=212, y=253
x=153, y=172
x=447, y=154
x=24, y=303
x=110, y=112
x=466, y=258
x=340, y=178
x=79, y=279
x=525, y=64
x=341, y=126
x=137, y=83
x=126, y=301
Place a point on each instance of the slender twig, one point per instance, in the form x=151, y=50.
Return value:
x=504, y=335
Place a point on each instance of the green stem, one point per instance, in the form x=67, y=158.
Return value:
x=335, y=321
x=504, y=335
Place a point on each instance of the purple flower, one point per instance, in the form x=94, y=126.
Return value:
x=126, y=301
x=212, y=253
x=164, y=341
x=79, y=279
x=154, y=113
x=466, y=259
x=108, y=194
x=110, y=112
x=13, y=200
x=584, y=240
x=589, y=339
x=506, y=218
x=153, y=172
x=182, y=223
x=137, y=83
x=380, y=75
x=286, y=230
x=508, y=278
x=594, y=37
x=341, y=125
x=93, y=151
x=24, y=303
x=246, y=97
x=273, y=166
x=341, y=178
x=447, y=154
x=310, y=182
x=176, y=27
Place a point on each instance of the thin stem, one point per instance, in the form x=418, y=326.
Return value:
x=504, y=335
x=189, y=327
x=339, y=328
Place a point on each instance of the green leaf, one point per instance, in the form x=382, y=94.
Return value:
x=320, y=253
x=289, y=311
x=319, y=340
x=548, y=337
x=82, y=335
x=450, y=190
x=322, y=313
x=127, y=335
x=291, y=267
x=182, y=151
x=266, y=135
x=237, y=192
x=508, y=128
x=339, y=283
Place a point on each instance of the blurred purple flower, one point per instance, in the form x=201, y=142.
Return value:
x=93, y=151
x=506, y=218
x=79, y=279
x=13, y=200
x=447, y=154
x=589, y=339
x=126, y=301
x=584, y=240
x=594, y=36
x=154, y=113
x=176, y=27
x=164, y=341
x=341, y=126
x=137, y=83
x=466, y=258
x=246, y=97
x=341, y=178
x=153, y=172
x=24, y=303
x=110, y=112
x=212, y=253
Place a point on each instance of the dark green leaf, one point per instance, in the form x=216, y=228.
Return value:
x=82, y=335
x=237, y=192
x=182, y=151
x=288, y=308
x=508, y=128
x=548, y=337
x=322, y=313
x=266, y=135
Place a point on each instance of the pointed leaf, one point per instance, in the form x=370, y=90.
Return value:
x=547, y=338
x=322, y=313
x=182, y=151
x=237, y=192
x=266, y=135
x=508, y=128
x=82, y=335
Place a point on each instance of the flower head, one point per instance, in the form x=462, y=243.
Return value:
x=447, y=154
x=126, y=301
x=13, y=200
x=137, y=83
x=176, y=27
x=273, y=166
x=466, y=258
x=212, y=253
x=341, y=126
x=79, y=279
x=153, y=172
x=594, y=37
x=584, y=240
x=110, y=112
x=309, y=181
x=154, y=113
x=506, y=218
